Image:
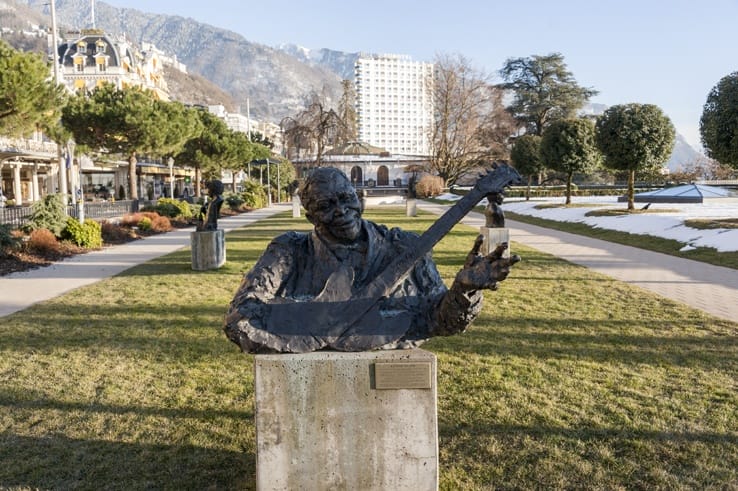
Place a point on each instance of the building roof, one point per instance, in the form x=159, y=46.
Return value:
x=686, y=193
x=357, y=148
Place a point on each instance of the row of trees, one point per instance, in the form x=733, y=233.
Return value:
x=628, y=137
x=128, y=123
x=473, y=126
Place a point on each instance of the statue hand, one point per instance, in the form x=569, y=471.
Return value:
x=484, y=272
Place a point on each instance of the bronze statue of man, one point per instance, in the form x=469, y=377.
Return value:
x=210, y=210
x=318, y=290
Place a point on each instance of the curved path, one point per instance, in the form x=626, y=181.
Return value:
x=712, y=289
x=21, y=290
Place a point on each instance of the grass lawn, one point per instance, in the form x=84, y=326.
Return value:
x=567, y=380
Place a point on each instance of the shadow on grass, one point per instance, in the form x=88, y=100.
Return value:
x=599, y=341
x=449, y=428
x=60, y=462
x=28, y=400
x=185, y=333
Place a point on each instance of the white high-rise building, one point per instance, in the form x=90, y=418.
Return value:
x=394, y=103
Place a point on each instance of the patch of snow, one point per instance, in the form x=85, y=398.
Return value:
x=663, y=220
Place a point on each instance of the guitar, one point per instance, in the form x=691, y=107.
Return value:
x=358, y=324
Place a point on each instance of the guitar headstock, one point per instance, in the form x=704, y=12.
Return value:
x=497, y=179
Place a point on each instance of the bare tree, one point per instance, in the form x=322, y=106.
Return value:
x=314, y=129
x=498, y=127
x=470, y=127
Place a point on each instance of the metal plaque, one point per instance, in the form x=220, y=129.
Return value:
x=416, y=375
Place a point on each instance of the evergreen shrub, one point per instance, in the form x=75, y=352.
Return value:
x=8, y=240
x=234, y=201
x=172, y=208
x=253, y=195
x=87, y=234
x=144, y=223
x=49, y=213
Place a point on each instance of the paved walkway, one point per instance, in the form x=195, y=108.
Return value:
x=709, y=288
x=21, y=290
x=712, y=289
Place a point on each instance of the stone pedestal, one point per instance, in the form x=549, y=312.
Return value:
x=411, y=207
x=295, y=206
x=332, y=420
x=208, y=249
x=494, y=237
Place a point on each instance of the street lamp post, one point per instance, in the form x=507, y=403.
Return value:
x=269, y=184
x=170, y=163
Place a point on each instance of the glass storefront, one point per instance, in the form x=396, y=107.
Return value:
x=99, y=186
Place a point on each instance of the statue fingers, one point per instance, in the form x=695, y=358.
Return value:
x=498, y=252
x=477, y=244
x=474, y=253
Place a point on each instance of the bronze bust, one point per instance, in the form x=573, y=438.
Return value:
x=353, y=285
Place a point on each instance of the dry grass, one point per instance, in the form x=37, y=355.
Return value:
x=617, y=212
x=711, y=223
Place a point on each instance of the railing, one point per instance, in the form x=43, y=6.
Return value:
x=17, y=216
x=105, y=209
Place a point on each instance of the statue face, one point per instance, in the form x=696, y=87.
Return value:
x=335, y=211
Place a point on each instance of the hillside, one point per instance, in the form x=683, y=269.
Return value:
x=15, y=19
x=274, y=82
x=193, y=89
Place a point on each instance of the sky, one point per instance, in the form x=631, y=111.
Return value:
x=667, y=53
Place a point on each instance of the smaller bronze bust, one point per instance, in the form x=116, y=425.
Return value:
x=495, y=218
x=210, y=210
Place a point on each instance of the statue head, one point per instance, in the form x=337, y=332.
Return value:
x=215, y=188
x=331, y=205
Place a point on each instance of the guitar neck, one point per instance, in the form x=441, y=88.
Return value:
x=398, y=268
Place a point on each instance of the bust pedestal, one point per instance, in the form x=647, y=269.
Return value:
x=411, y=207
x=494, y=237
x=208, y=249
x=296, y=206
x=335, y=420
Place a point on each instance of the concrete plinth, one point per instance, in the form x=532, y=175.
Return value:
x=208, y=249
x=494, y=237
x=296, y=203
x=411, y=207
x=322, y=423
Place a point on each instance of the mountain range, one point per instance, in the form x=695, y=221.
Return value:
x=273, y=81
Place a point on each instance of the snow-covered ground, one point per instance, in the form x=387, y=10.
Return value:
x=663, y=220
